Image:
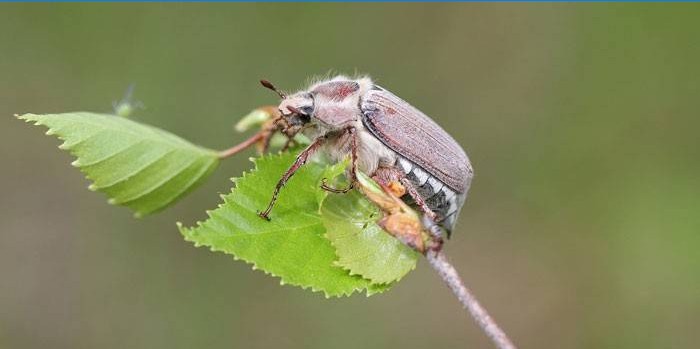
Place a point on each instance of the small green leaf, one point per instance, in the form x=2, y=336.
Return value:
x=257, y=118
x=254, y=119
x=292, y=245
x=362, y=246
x=138, y=166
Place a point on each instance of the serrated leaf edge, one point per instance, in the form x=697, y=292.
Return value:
x=34, y=119
x=185, y=231
x=353, y=273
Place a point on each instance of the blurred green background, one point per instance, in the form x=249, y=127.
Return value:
x=582, y=228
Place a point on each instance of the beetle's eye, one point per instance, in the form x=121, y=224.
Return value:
x=308, y=110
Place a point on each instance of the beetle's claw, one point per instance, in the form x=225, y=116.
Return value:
x=264, y=215
x=436, y=240
x=326, y=187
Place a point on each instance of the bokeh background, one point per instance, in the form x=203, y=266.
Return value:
x=582, y=229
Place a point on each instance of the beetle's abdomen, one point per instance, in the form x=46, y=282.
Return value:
x=440, y=198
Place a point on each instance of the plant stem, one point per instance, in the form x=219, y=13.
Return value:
x=241, y=146
x=449, y=275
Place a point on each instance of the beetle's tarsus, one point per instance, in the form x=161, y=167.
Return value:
x=326, y=187
x=436, y=240
x=264, y=215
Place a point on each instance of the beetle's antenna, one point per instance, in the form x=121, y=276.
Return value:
x=272, y=87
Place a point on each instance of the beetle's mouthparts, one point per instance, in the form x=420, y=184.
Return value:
x=295, y=110
x=297, y=116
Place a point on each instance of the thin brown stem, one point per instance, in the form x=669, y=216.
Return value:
x=449, y=275
x=241, y=146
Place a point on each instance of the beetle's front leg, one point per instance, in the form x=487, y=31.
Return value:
x=301, y=159
x=261, y=139
x=353, y=165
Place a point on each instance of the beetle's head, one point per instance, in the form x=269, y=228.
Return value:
x=297, y=108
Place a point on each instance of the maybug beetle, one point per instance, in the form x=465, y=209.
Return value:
x=385, y=137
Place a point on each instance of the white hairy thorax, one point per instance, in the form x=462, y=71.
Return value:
x=371, y=152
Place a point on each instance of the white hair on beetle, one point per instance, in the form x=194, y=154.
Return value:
x=331, y=75
x=317, y=79
x=371, y=152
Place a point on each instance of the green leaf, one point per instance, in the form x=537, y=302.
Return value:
x=337, y=249
x=254, y=120
x=362, y=246
x=292, y=245
x=138, y=166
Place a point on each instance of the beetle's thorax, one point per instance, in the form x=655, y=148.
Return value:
x=336, y=107
x=336, y=101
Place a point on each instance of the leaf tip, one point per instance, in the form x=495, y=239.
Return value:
x=26, y=117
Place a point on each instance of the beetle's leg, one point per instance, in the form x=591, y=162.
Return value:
x=435, y=233
x=394, y=181
x=328, y=188
x=390, y=175
x=270, y=128
x=429, y=216
x=290, y=131
x=300, y=161
x=353, y=156
x=261, y=139
x=413, y=192
x=353, y=165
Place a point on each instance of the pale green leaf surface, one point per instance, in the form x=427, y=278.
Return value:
x=138, y=166
x=362, y=246
x=292, y=245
